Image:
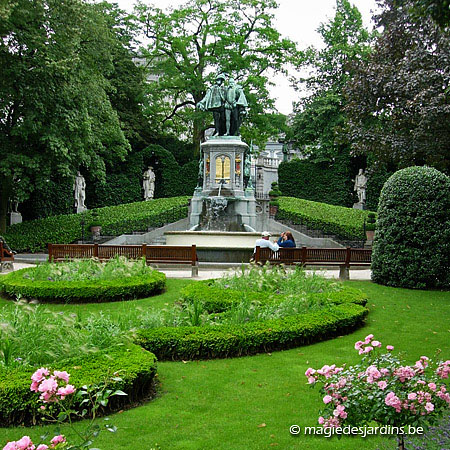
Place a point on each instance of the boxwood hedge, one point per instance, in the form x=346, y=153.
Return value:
x=132, y=364
x=89, y=291
x=34, y=235
x=346, y=311
x=346, y=223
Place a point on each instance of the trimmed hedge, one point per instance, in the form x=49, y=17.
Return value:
x=346, y=312
x=324, y=181
x=411, y=248
x=238, y=340
x=34, y=235
x=90, y=291
x=346, y=223
x=135, y=366
x=217, y=299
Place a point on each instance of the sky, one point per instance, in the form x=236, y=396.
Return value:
x=295, y=19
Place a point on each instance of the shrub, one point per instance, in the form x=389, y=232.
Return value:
x=135, y=367
x=337, y=309
x=15, y=284
x=33, y=236
x=237, y=340
x=412, y=241
x=346, y=223
x=318, y=181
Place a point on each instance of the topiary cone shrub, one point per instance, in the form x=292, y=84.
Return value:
x=411, y=247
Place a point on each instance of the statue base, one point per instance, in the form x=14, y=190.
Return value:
x=359, y=205
x=15, y=217
x=81, y=209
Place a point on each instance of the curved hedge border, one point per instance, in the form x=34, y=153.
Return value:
x=135, y=366
x=14, y=284
x=346, y=223
x=221, y=341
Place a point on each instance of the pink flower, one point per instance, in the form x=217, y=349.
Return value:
x=10, y=446
x=310, y=371
x=358, y=345
x=429, y=407
x=368, y=349
x=311, y=380
x=58, y=440
x=376, y=343
x=392, y=400
x=389, y=348
x=25, y=444
x=368, y=338
x=412, y=396
x=40, y=374
x=327, y=399
x=404, y=373
x=372, y=374
x=42, y=447
x=382, y=385
x=62, y=375
x=339, y=412
x=432, y=386
x=65, y=391
x=321, y=420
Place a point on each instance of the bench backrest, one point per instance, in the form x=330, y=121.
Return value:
x=305, y=255
x=152, y=253
x=5, y=254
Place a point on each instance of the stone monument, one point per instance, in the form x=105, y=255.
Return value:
x=148, y=184
x=14, y=215
x=360, y=188
x=224, y=200
x=79, y=187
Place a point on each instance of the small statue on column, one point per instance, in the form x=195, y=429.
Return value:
x=79, y=187
x=148, y=184
x=360, y=188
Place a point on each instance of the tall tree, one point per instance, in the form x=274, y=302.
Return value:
x=193, y=43
x=320, y=115
x=55, y=114
x=398, y=101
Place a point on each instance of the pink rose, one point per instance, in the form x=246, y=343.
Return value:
x=432, y=386
x=358, y=345
x=412, y=396
x=42, y=447
x=62, y=375
x=382, y=385
x=389, y=348
x=376, y=343
x=25, y=444
x=368, y=338
x=327, y=399
x=58, y=440
x=321, y=420
x=429, y=407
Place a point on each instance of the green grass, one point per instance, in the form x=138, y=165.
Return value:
x=221, y=404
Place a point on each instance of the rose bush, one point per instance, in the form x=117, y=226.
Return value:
x=383, y=389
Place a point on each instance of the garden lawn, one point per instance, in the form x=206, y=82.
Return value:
x=249, y=403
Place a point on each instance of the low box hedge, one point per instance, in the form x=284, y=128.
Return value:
x=222, y=341
x=135, y=366
x=216, y=299
x=34, y=235
x=346, y=223
x=90, y=291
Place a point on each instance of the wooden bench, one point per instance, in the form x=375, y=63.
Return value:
x=341, y=257
x=154, y=254
x=6, y=258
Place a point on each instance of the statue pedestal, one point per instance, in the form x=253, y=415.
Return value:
x=222, y=203
x=81, y=209
x=359, y=205
x=15, y=217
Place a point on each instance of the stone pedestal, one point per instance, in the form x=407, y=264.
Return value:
x=359, y=205
x=15, y=217
x=222, y=195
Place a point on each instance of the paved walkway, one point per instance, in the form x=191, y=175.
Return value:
x=209, y=272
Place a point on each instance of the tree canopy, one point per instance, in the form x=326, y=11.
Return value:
x=191, y=44
x=55, y=112
x=398, y=100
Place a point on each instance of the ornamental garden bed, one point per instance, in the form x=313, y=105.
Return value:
x=259, y=310
x=84, y=281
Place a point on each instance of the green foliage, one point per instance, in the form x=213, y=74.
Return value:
x=34, y=235
x=397, y=100
x=260, y=309
x=371, y=222
x=54, y=104
x=412, y=242
x=23, y=284
x=347, y=223
x=189, y=45
x=237, y=340
x=318, y=181
x=130, y=368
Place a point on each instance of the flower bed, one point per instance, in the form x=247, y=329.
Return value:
x=128, y=368
x=84, y=282
x=327, y=314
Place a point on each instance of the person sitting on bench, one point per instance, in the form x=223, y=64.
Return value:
x=264, y=242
